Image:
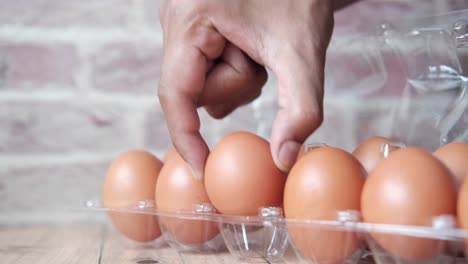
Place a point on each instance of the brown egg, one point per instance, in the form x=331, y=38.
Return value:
x=178, y=191
x=410, y=187
x=172, y=151
x=462, y=208
x=131, y=178
x=323, y=182
x=241, y=177
x=306, y=147
x=370, y=151
x=455, y=157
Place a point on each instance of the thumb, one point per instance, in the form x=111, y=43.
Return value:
x=300, y=102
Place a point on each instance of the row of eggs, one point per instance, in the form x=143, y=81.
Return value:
x=386, y=181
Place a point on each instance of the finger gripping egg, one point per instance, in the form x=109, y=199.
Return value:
x=241, y=177
x=131, y=178
x=410, y=187
x=322, y=183
x=306, y=147
x=179, y=191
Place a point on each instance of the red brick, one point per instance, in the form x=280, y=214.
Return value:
x=66, y=127
x=41, y=188
x=156, y=134
x=131, y=68
x=58, y=13
x=32, y=66
x=244, y=118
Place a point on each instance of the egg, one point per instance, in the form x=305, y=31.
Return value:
x=410, y=187
x=131, y=178
x=455, y=156
x=177, y=190
x=241, y=177
x=370, y=152
x=169, y=153
x=322, y=183
x=462, y=208
x=306, y=147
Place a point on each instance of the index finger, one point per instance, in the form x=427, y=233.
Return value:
x=181, y=82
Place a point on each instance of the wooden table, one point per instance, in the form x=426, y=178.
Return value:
x=86, y=243
x=89, y=243
x=97, y=243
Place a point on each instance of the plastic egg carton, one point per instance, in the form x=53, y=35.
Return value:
x=420, y=64
x=269, y=237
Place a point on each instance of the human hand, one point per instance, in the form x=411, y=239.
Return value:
x=215, y=55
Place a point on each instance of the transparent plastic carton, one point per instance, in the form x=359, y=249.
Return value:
x=420, y=65
x=427, y=52
x=269, y=237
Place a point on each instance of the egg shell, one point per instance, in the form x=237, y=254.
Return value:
x=241, y=177
x=410, y=187
x=455, y=156
x=369, y=152
x=462, y=208
x=323, y=182
x=172, y=151
x=131, y=178
x=178, y=191
x=306, y=147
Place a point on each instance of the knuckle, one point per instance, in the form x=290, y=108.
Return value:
x=253, y=79
x=218, y=115
x=309, y=118
x=217, y=112
x=163, y=95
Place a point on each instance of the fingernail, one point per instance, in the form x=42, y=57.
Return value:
x=196, y=174
x=287, y=155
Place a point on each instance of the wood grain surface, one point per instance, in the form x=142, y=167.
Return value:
x=100, y=243
x=90, y=243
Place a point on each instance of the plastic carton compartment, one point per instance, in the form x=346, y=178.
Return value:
x=271, y=237
x=262, y=237
x=335, y=241
x=190, y=235
x=411, y=244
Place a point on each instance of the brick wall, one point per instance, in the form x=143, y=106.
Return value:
x=78, y=84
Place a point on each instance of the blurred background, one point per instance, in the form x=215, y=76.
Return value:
x=78, y=83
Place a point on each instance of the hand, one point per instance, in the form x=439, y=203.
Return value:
x=215, y=55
